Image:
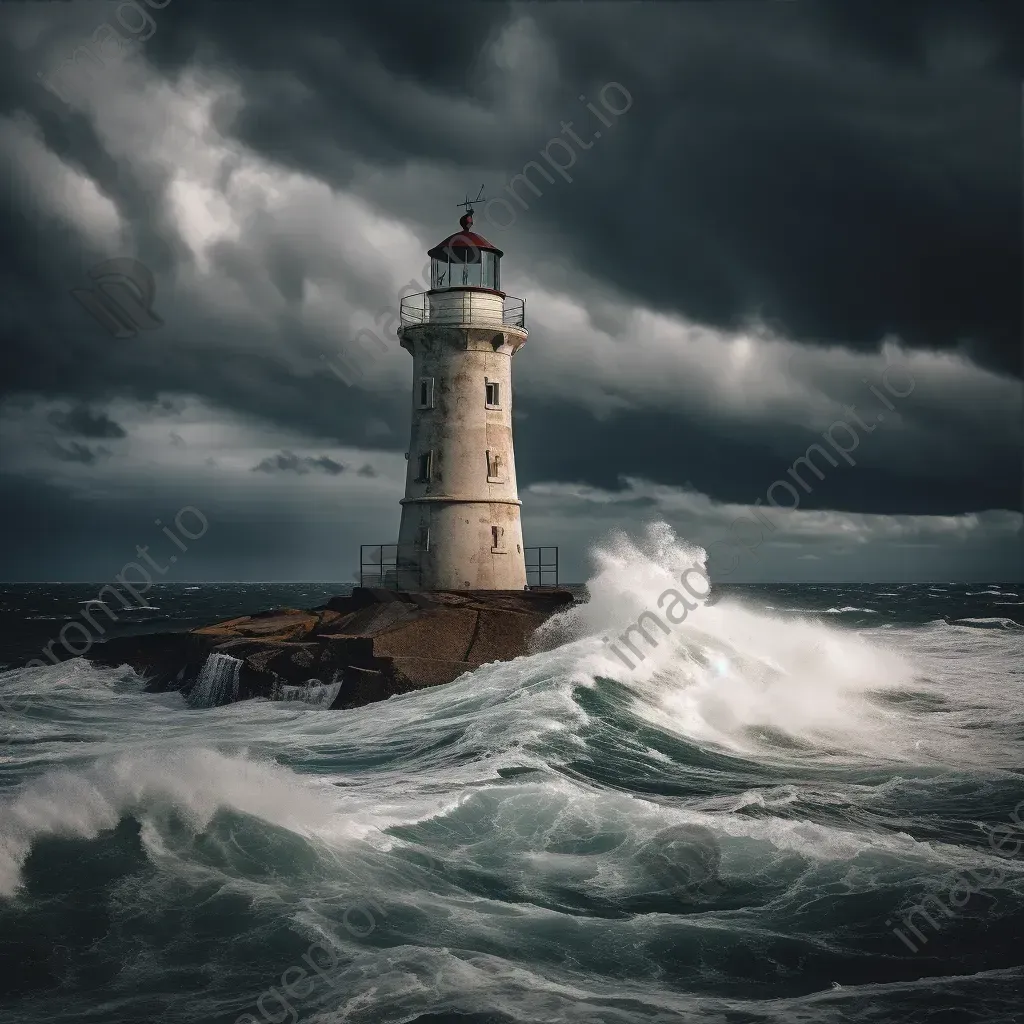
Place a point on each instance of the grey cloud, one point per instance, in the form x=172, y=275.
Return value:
x=75, y=451
x=859, y=178
x=81, y=421
x=288, y=462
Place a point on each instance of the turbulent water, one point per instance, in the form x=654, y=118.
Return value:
x=801, y=805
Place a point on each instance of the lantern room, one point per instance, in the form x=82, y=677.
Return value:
x=465, y=260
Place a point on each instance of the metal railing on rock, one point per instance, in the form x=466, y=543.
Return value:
x=541, y=566
x=380, y=567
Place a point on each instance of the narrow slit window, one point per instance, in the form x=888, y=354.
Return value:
x=493, y=468
x=492, y=394
x=497, y=538
x=426, y=466
x=425, y=396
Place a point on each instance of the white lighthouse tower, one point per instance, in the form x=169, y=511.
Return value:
x=460, y=515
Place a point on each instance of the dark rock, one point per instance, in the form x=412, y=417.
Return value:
x=377, y=643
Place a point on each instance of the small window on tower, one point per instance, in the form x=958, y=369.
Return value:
x=425, y=397
x=493, y=468
x=493, y=394
x=497, y=539
x=426, y=466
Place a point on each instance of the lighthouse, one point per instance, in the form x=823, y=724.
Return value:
x=460, y=527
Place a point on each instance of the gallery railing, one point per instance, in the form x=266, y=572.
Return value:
x=464, y=307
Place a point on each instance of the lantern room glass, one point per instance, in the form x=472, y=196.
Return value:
x=461, y=268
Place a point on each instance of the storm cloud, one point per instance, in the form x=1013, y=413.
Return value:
x=797, y=200
x=289, y=462
x=83, y=422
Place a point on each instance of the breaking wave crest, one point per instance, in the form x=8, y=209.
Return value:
x=194, y=784
x=728, y=673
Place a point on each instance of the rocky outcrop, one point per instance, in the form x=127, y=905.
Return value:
x=374, y=643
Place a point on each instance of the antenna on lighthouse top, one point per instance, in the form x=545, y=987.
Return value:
x=466, y=220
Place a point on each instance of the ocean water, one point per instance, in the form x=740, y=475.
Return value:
x=801, y=805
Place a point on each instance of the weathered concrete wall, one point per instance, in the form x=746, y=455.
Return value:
x=449, y=519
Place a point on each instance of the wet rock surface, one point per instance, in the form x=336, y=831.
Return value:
x=374, y=643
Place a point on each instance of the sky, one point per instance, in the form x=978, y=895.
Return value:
x=741, y=230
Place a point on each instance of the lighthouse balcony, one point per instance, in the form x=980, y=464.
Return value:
x=470, y=307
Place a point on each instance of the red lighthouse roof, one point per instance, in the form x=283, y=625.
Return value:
x=464, y=239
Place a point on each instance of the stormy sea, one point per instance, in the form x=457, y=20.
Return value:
x=806, y=803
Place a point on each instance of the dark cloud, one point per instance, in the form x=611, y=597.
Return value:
x=740, y=470
x=75, y=451
x=83, y=422
x=786, y=163
x=289, y=462
x=842, y=172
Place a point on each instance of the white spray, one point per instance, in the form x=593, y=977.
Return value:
x=729, y=673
